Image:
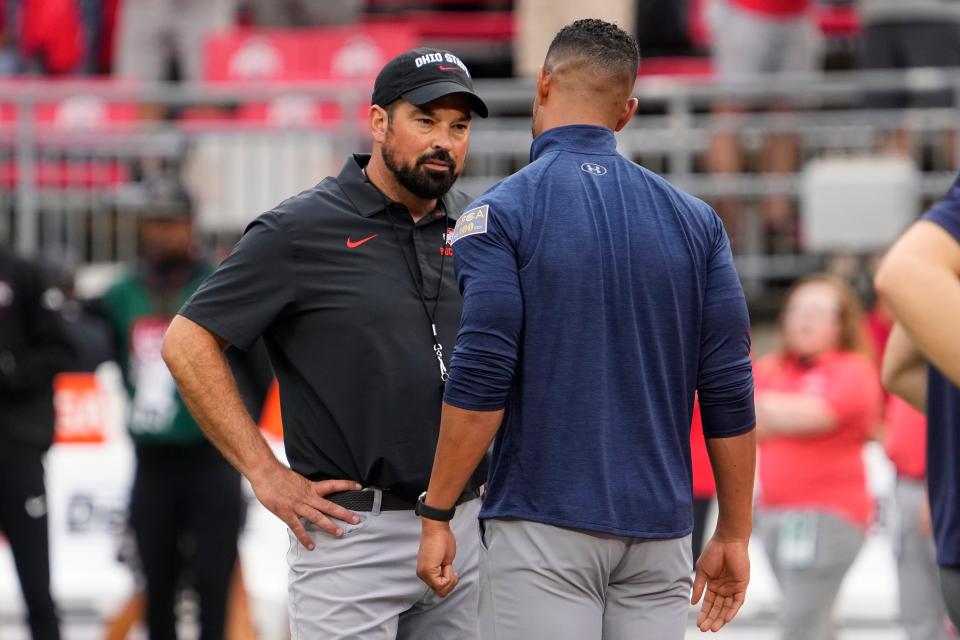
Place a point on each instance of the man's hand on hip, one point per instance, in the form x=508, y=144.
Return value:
x=438, y=548
x=290, y=497
x=724, y=571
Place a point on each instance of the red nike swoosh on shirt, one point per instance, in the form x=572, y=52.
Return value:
x=443, y=68
x=353, y=245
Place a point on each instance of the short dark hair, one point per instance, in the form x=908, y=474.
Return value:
x=602, y=44
x=390, y=108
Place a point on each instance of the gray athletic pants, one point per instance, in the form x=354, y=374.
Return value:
x=921, y=604
x=540, y=581
x=810, y=553
x=364, y=586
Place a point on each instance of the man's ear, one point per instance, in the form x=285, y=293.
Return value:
x=378, y=119
x=629, y=109
x=544, y=85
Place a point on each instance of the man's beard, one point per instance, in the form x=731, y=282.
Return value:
x=423, y=183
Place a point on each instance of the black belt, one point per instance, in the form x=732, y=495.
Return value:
x=363, y=500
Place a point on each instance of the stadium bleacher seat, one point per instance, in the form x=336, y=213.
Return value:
x=304, y=55
x=479, y=31
x=857, y=204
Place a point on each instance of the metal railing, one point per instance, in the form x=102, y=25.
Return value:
x=64, y=164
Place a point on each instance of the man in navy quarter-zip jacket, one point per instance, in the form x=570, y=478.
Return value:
x=597, y=299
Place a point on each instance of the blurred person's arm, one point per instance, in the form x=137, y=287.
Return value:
x=725, y=393
x=919, y=280
x=851, y=391
x=197, y=361
x=904, y=370
x=47, y=349
x=793, y=414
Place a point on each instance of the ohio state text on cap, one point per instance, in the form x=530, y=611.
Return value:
x=422, y=75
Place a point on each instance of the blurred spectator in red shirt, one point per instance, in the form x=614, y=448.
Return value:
x=753, y=39
x=41, y=37
x=909, y=34
x=153, y=34
x=98, y=20
x=817, y=402
x=756, y=37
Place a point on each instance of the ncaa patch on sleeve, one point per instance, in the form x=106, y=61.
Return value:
x=471, y=223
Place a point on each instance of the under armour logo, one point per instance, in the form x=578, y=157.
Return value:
x=595, y=169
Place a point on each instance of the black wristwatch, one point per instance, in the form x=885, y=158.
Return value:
x=426, y=511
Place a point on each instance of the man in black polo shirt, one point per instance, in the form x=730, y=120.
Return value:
x=351, y=285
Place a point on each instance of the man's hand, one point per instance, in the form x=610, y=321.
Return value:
x=438, y=548
x=290, y=497
x=724, y=570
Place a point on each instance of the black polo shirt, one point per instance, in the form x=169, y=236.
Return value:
x=324, y=280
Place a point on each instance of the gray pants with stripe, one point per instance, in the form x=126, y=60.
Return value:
x=922, y=610
x=541, y=581
x=810, y=553
x=364, y=586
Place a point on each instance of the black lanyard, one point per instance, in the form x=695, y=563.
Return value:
x=420, y=286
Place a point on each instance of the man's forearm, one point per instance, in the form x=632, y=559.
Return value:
x=734, y=465
x=929, y=314
x=465, y=437
x=919, y=282
x=196, y=360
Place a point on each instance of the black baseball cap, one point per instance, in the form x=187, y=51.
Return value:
x=165, y=199
x=422, y=75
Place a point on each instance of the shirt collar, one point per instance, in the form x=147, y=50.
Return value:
x=576, y=137
x=367, y=199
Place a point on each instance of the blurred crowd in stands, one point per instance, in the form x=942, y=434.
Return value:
x=156, y=40
x=727, y=40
